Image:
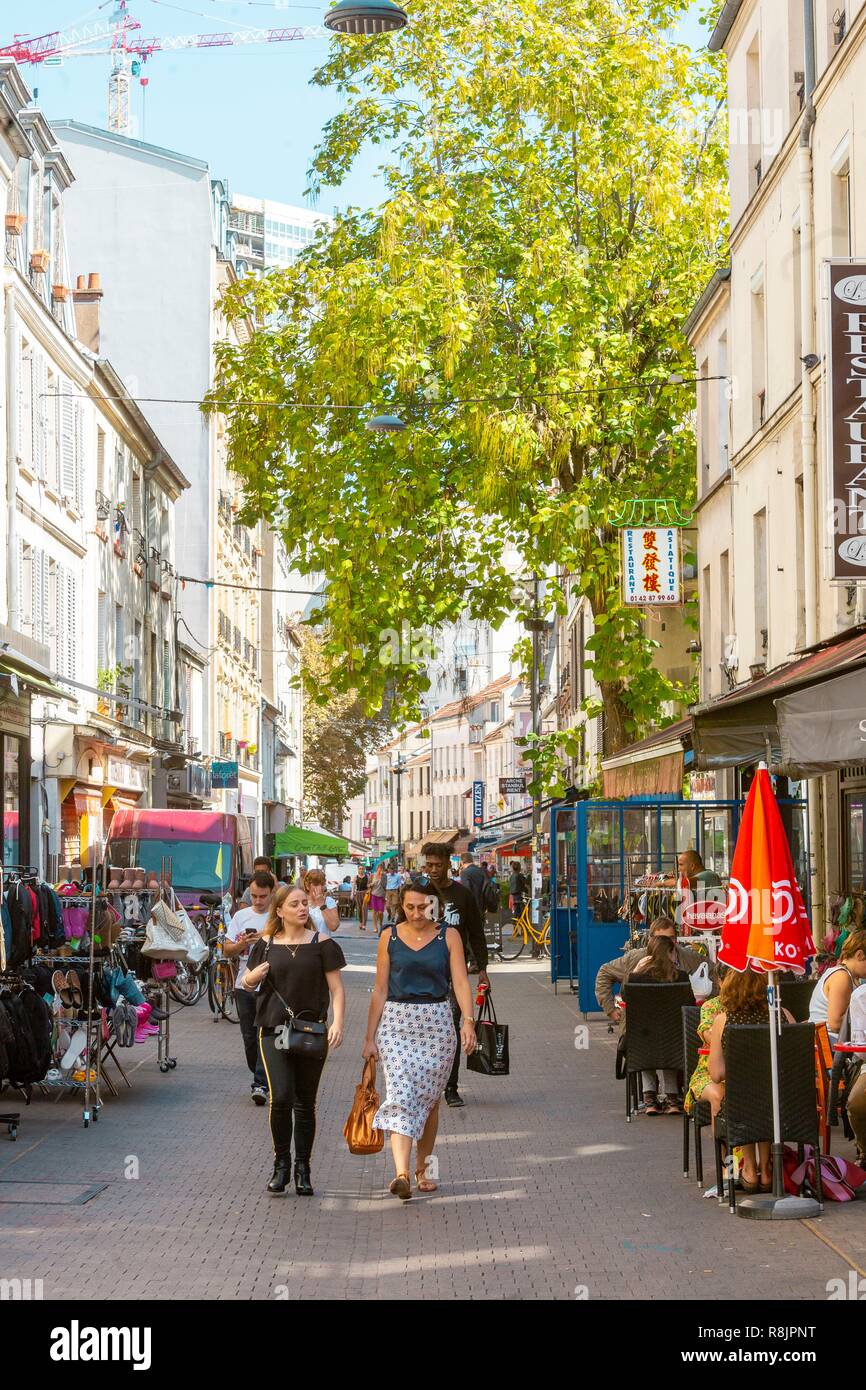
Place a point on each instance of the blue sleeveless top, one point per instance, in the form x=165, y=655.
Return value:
x=419, y=977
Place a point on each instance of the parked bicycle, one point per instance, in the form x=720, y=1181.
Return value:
x=520, y=932
x=221, y=973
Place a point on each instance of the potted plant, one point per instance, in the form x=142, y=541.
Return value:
x=39, y=261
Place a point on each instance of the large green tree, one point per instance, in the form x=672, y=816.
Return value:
x=552, y=206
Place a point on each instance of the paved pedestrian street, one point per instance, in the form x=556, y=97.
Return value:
x=546, y=1192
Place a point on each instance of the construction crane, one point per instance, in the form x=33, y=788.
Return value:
x=129, y=51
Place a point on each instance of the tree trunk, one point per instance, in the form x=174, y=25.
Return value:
x=615, y=715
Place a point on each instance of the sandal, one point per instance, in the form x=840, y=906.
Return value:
x=423, y=1182
x=671, y=1107
x=73, y=985
x=59, y=984
x=401, y=1187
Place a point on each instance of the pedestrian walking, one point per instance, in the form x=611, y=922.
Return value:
x=393, y=879
x=261, y=862
x=324, y=913
x=297, y=974
x=462, y=912
x=518, y=887
x=410, y=1028
x=473, y=877
x=242, y=933
x=377, y=897
x=362, y=896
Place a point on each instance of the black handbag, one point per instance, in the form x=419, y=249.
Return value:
x=301, y=1036
x=491, y=1057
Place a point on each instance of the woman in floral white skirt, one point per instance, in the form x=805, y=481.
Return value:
x=410, y=1026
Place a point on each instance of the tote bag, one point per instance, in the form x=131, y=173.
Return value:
x=491, y=1056
x=358, y=1130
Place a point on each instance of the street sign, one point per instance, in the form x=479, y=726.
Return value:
x=477, y=803
x=651, y=566
x=512, y=786
x=224, y=775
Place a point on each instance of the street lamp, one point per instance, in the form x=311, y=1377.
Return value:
x=365, y=17
x=397, y=770
x=385, y=424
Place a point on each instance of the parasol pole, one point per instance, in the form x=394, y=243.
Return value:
x=775, y=1029
x=776, y=1205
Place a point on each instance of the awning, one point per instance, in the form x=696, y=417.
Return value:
x=823, y=727
x=295, y=839
x=742, y=727
x=440, y=837
x=33, y=679
x=386, y=854
x=651, y=767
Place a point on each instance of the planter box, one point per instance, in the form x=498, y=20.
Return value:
x=15, y=223
x=60, y=293
x=39, y=261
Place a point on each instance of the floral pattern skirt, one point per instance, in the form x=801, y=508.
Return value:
x=416, y=1045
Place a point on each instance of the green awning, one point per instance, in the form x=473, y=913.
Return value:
x=35, y=682
x=296, y=840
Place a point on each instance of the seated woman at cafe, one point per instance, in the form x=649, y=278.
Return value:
x=659, y=966
x=832, y=993
x=742, y=999
x=700, y=1077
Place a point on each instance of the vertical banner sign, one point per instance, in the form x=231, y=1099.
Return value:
x=477, y=803
x=847, y=418
x=651, y=566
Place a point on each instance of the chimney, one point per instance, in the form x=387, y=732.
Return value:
x=86, y=297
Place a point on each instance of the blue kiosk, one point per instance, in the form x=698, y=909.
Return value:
x=598, y=847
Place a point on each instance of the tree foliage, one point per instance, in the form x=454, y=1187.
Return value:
x=552, y=209
x=338, y=734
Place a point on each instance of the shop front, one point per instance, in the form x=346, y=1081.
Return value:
x=610, y=862
x=16, y=762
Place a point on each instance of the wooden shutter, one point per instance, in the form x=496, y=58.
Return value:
x=102, y=632
x=56, y=462
x=79, y=455
x=22, y=615
x=40, y=384
x=25, y=408
x=67, y=445
x=41, y=616
x=72, y=624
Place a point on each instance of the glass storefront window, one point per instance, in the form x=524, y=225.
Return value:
x=12, y=801
x=855, y=804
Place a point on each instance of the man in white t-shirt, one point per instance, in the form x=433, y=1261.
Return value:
x=242, y=933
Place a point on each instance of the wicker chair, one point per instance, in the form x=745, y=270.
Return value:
x=796, y=996
x=700, y=1116
x=653, y=1032
x=746, y=1116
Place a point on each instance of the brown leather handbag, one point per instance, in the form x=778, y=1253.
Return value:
x=360, y=1135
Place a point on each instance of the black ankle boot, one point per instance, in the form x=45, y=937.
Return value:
x=280, y=1181
x=303, y=1186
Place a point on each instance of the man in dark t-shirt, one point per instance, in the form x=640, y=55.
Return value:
x=473, y=877
x=462, y=912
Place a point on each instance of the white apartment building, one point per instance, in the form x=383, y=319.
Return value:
x=88, y=549
x=766, y=547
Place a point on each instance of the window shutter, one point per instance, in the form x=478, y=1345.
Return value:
x=41, y=616
x=56, y=462
x=40, y=383
x=25, y=409
x=79, y=455
x=22, y=615
x=67, y=446
x=102, y=632
x=72, y=624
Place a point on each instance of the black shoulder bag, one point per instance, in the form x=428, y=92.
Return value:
x=490, y=1057
x=301, y=1036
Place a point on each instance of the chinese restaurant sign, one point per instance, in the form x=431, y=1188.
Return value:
x=651, y=566
x=847, y=418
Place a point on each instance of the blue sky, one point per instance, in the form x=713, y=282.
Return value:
x=248, y=111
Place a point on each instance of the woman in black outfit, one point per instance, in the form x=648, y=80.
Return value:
x=290, y=960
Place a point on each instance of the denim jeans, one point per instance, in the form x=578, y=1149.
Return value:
x=246, y=1006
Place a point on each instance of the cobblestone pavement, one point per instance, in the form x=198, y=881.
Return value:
x=545, y=1189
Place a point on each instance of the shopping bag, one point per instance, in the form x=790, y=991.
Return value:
x=358, y=1130
x=491, y=1056
x=701, y=983
x=163, y=937
x=196, y=950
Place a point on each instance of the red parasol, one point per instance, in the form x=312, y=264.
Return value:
x=766, y=926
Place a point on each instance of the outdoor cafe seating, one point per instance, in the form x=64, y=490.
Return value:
x=653, y=1033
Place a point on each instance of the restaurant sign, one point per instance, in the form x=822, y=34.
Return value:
x=846, y=418
x=512, y=786
x=651, y=566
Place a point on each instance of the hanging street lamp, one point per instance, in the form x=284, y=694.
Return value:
x=385, y=424
x=365, y=17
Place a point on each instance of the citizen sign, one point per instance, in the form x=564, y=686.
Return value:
x=847, y=418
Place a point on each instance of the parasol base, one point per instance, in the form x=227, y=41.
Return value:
x=766, y=1207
